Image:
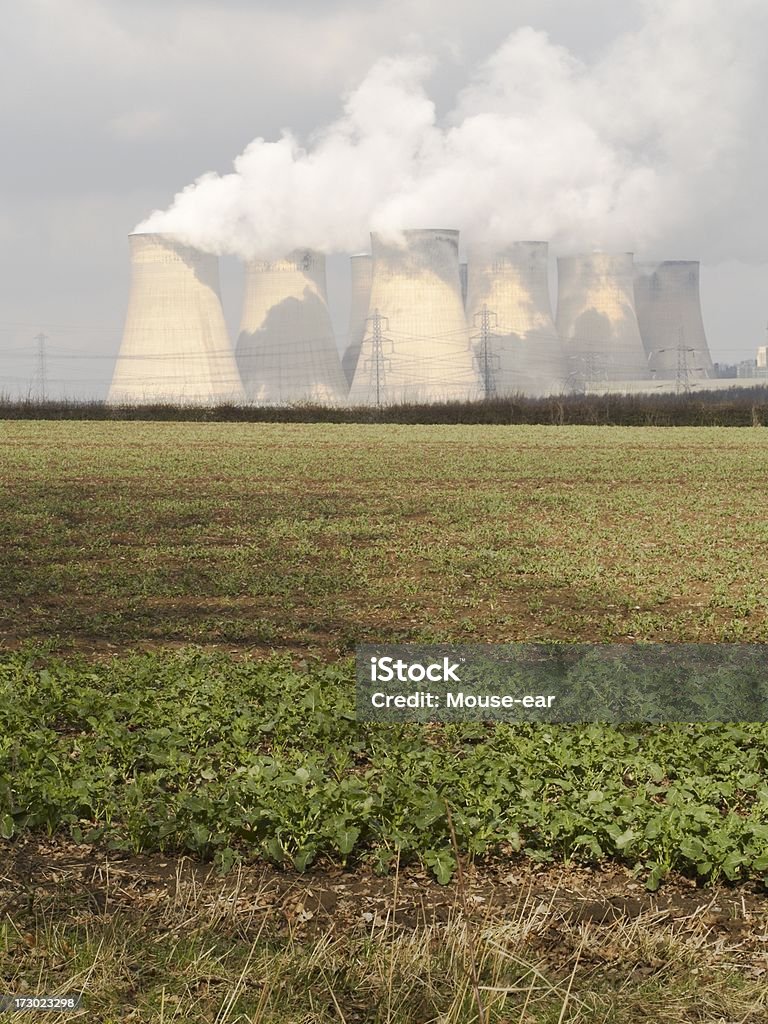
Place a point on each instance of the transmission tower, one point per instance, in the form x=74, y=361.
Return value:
x=487, y=359
x=589, y=371
x=42, y=376
x=683, y=371
x=378, y=363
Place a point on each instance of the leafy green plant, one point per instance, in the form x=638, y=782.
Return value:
x=237, y=758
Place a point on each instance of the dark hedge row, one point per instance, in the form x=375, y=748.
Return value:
x=737, y=407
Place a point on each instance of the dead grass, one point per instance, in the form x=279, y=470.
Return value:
x=178, y=944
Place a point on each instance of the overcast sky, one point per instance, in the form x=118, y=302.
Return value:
x=110, y=107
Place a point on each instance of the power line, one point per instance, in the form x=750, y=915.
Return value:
x=61, y=327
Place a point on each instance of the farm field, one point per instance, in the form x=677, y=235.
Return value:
x=178, y=608
x=311, y=538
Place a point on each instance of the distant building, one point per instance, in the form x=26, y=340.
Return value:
x=286, y=349
x=596, y=319
x=175, y=345
x=416, y=346
x=725, y=370
x=361, y=273
x=515, y=342
x=747, y=368
x=671, y=324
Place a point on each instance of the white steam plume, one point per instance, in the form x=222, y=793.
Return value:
x=644, y=143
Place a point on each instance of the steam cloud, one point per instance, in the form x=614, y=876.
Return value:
x=647, y=142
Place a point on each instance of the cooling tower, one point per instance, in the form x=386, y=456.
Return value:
x=515, y=341
x=596, y=319
x=175, y=345
x=361, y=267
x=671, y=325
x=416, y=346
x=286, y=349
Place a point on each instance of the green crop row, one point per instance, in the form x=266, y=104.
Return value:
x=232, y=759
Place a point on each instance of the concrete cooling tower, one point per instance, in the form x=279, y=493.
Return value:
x=416, y=346
x=669, y=314
x=175, y=345
x=286, y=349
x=361, y=272
x=515, y=341
x=596, y=319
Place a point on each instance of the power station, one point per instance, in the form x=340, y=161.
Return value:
x=516, y=345
x=596, y=319
x=175, y=345
x=416, y=346
x=669, y=313
x=286, y=349
x=422, y=326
